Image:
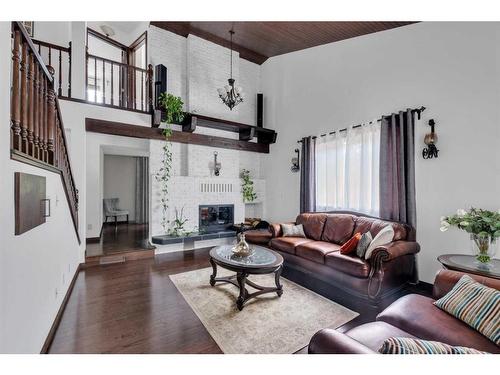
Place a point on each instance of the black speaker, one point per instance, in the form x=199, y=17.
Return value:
x=260, y=110
x=160, y=82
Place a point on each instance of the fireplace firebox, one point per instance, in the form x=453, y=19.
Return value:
x=216, y=218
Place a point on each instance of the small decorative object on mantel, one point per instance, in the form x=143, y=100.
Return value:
x=430, y=140
x=483, y=227
x=295, y=162
x=230, y=95
x=217, y=165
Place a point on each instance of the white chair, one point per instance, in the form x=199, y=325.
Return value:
x=111, y=209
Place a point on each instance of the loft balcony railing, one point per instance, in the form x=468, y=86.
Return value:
x=36, y=129
x=115, y=84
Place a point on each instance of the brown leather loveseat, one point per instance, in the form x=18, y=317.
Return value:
x=412, y=316
x=388, y=270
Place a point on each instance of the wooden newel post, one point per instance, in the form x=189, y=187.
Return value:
x=150, y=88
x=51, y=117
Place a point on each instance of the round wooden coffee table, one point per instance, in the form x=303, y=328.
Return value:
x=262, y=261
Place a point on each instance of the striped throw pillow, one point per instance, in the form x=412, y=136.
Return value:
x=474, y=304
x=406, y=345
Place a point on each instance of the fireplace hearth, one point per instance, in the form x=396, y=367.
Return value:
x=215, y=218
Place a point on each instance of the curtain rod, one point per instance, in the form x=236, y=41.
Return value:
x=418, y=111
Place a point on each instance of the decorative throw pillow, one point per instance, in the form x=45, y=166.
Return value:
x=383, y=237
x=406, y=345
x=291, y=230
x=363, y=244
x=474, y=304
x=350, y=246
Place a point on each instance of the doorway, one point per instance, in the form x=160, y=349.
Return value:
x=125, y=206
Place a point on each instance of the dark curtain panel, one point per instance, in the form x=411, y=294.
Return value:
x=308, y=175
x=142, y=190
x=397, y=168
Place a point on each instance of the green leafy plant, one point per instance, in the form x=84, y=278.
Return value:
x=178, y=224
x=172, y=105
x=247, y=186
x=163, y=176
x=483, y=225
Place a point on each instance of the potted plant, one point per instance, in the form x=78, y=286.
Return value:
x=483, y=227
x=172, y=105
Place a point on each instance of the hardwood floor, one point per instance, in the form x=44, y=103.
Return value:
x=122, y=238
x=134, y=307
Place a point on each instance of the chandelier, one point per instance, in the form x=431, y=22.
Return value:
x=230, y=95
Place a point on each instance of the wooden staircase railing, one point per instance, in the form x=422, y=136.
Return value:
x=62, y=56
x=37, y=131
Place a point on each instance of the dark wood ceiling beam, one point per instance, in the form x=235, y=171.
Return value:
x=135, y=131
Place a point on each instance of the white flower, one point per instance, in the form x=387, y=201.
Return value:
x=464, y=223
x=442, y=218
x=461, y=212
x=444, y=226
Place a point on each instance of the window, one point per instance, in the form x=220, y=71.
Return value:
x=347, y=170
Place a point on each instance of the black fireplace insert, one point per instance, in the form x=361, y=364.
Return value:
x=216, y=218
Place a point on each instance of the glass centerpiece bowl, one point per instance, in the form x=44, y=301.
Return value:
x=242, y=248
x=483, y=227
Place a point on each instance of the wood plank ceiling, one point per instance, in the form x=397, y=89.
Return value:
x=257, y=41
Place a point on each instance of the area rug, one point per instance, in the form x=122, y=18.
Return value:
x=268, y=324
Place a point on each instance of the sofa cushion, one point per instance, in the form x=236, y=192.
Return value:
x=365, y=224
x=417, y=315
x=405, y=345
x=292, y=230
x=350, y=246
x=316, y=250
x=349, y=264
x=339, y=228
x=313, y=224
x=474, y=304
x=287, y=244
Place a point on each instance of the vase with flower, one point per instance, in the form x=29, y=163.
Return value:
x=483, y=227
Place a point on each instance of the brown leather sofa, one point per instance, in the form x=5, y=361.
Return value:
x=389, y=269
x=410, y=316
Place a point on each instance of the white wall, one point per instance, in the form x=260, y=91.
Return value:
x=56, y=32
x=37, y=266
x=451, y=68
x=119, y=182
x=197, y=68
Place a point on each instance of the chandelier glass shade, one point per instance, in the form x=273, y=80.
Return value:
x=231, y=95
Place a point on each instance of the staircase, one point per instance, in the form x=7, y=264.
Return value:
x=37, y=130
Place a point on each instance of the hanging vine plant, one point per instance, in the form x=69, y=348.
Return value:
x=172, y=106
x=249, y=194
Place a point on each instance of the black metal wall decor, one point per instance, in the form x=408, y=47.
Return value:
x=217, y=165
x=430, y=140
x=295, y=162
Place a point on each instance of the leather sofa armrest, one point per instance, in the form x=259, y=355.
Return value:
x=330, y=341
x=275, y=229
x=446, y=279
x=395, y=249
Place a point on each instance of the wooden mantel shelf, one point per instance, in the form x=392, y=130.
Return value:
x=246, y=132
x=127, y=130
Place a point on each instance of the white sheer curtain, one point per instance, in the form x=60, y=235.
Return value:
x=347, y=170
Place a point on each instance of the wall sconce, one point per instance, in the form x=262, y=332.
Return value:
x=430, y=140
x=295, y=162
x=217, y=165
